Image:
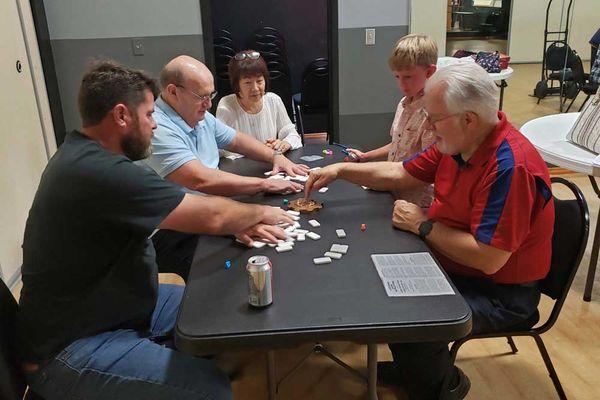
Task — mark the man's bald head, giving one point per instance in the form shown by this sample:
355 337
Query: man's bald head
182 69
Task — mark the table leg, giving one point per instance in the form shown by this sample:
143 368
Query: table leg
271 375
589 282
503 84
372 367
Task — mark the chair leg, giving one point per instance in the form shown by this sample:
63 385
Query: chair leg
550 367
570 104
453 352
512 345
583 104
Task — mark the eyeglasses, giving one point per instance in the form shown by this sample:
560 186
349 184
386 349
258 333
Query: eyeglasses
431 121
200 97
252 55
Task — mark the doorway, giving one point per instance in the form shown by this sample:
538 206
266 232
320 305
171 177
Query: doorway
477 25
295 39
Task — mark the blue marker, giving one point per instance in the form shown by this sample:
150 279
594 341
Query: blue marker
227 264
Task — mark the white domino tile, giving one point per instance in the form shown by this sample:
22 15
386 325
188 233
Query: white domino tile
258 245
322 260
314 223
294 213
333 255
313 236
339 248
340 233
301 237
282 249
323 189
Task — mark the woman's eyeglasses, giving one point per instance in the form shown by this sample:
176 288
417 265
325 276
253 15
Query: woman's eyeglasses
251 55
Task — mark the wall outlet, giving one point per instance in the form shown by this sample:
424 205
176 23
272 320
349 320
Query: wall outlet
370 36
137 46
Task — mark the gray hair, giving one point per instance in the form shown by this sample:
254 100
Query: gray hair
468 87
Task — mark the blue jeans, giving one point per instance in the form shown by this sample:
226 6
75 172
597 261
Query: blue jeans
423 366
128 365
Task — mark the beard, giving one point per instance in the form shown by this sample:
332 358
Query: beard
136 146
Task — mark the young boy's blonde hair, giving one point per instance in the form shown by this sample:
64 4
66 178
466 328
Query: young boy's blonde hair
412 51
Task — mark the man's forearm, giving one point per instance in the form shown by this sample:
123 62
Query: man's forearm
462 247
213 215
221 183
251 148
376 175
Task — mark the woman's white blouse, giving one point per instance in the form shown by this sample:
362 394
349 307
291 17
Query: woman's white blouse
270 123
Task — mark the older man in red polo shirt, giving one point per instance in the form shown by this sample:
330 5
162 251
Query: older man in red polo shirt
490 224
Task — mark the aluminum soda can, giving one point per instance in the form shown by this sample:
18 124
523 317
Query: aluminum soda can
260 281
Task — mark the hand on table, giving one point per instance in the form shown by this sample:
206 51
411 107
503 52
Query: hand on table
320 178
280 186
262 232
282 164
277 144
407 216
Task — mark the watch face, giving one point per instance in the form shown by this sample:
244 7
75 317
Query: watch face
425 228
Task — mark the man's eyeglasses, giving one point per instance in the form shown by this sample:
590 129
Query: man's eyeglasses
251 55
432 121
200 97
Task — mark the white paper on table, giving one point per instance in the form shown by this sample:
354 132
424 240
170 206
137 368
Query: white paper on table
411 274
234 156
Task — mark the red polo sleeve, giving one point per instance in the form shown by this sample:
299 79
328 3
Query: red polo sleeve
424 164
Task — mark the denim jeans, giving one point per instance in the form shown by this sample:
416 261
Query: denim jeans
423 366
128 365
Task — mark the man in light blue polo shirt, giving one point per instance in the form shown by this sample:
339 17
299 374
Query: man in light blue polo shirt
185 149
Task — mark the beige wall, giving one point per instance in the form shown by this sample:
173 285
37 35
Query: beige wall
527 27
429 17
24 149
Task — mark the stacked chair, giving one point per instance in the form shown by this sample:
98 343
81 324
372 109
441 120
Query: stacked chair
224 50
311 105
271 45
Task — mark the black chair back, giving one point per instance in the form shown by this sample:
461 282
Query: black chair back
223 41
315 89
12 382
571 227
224 50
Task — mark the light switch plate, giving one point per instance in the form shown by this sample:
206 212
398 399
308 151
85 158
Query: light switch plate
137 46
370 36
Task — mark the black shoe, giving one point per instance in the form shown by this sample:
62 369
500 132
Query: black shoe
461 389
388 373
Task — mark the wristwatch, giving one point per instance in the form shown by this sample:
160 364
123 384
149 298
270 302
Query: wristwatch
424 228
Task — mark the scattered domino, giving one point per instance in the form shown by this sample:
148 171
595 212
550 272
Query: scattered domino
292 234
339 248
268 173
294 213
301 231
366 188
290 229
271 244
314 168
313 236
314 223
322 260
258 245
340 233
301 237
323 189
296 225
299 178
295 218
282 249
332 254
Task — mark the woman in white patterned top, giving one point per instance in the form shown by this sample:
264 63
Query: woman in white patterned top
253 110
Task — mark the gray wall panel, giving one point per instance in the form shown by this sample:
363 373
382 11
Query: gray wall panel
361 13
73 56
367 131
77 19
366 84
